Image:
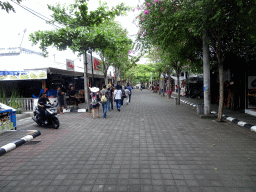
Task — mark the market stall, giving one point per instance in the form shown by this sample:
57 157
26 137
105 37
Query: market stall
7 118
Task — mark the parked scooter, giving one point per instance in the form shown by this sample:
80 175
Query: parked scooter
51 118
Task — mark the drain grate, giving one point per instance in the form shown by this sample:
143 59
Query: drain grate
32 142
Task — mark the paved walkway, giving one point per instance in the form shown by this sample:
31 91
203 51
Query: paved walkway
214 107
151 145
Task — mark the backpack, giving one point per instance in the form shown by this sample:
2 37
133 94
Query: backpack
104 99
123 94
130 91
94 100
109 93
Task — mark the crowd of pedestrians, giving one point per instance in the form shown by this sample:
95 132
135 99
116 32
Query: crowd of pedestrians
106 98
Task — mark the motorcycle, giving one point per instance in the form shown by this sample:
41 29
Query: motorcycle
50 116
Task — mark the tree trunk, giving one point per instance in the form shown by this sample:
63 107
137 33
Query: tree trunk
86 91
221 95
115 76
106 78
178 77
159 91
206 66
169 85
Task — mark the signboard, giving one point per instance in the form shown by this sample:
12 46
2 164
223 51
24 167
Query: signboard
23 75
70 65
96 63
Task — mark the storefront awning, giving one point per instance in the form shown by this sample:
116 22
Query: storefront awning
52 70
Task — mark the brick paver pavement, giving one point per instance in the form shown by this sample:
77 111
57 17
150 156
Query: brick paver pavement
151 145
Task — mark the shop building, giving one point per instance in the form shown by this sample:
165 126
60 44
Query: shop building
22 71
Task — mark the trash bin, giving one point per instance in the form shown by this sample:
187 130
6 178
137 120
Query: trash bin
13 118
200 109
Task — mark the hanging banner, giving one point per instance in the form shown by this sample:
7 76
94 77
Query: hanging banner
23 75
96 63
70 65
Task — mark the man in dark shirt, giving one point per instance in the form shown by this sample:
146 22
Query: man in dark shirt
130 94
72 95
60 96
41 102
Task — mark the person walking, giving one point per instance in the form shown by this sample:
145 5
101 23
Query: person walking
123 96
110 97
95 101
104 99
127 92
130 94
118 97
60 98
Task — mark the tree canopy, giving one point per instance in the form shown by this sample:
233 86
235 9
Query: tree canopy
83 29
5 5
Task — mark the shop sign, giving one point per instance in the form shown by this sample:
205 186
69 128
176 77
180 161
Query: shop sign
96 63
70 65
23 75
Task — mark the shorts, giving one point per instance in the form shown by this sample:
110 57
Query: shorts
61 103
95 106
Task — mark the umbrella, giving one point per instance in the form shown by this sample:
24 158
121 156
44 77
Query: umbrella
94 89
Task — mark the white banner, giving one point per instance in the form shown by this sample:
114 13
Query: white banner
23 75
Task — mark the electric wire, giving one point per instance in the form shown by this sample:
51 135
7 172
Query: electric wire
36 15
47 19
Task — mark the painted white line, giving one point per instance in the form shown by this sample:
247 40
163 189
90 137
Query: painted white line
27 138
81 110
230 118
9 147
253 128
241 123
25 119
32 130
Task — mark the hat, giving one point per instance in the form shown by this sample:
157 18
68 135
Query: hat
108 86
94 89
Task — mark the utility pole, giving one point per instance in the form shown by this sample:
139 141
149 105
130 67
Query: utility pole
86 93
22 38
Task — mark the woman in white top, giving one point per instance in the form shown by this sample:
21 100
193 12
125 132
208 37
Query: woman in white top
118 97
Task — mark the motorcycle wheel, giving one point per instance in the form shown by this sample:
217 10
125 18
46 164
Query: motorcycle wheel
56 123
37 121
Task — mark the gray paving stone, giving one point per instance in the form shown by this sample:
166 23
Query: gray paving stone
151 145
